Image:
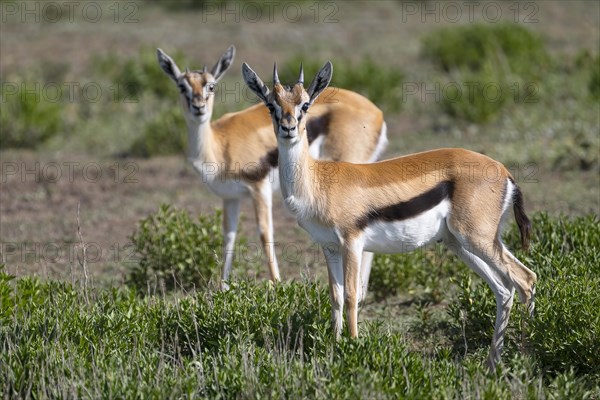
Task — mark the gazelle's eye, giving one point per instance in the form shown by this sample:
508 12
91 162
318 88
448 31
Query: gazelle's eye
305 107
211 87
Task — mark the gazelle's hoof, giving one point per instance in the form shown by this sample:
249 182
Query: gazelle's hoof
224 286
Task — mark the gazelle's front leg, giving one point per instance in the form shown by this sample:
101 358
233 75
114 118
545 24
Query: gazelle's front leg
333 257
352 253
262 198
231 213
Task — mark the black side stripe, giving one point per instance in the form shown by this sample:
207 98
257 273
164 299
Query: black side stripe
410 208
317 126
258 172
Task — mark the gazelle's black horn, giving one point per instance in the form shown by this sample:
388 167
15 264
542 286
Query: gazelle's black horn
301 76
275 75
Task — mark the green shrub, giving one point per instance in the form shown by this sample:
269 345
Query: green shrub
264 314
27 120
490 65
134 76
6 292
388 275
382 85
472 313
580 150
587 63
512 46
423 270
232 344
164 134
563 334
176 251
594 85
477 96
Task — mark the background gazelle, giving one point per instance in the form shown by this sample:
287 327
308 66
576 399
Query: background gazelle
396 206
237 154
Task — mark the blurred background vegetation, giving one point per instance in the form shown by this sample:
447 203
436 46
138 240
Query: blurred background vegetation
523 88
496 83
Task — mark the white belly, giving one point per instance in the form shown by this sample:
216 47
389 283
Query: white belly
228 189
231 188
273 178
407 235
320 233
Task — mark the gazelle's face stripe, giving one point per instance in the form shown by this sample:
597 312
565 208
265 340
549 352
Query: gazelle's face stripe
410 208
287 110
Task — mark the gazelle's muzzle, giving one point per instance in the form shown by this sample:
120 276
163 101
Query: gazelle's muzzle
197 108
288 132
288 127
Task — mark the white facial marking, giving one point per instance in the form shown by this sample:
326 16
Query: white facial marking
185 87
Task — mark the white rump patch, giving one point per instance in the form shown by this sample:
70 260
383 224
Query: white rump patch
381 143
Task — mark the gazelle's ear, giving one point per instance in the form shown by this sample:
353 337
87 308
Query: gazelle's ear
168 65
224 63
255 83
320 82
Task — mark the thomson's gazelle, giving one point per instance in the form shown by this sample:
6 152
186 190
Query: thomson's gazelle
237 154
450 195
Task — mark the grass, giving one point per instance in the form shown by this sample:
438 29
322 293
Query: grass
61 339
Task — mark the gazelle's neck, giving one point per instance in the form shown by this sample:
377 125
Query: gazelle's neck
297 176
199 139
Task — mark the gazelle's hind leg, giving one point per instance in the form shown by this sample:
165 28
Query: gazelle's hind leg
502 288
522 277
510 269
365 271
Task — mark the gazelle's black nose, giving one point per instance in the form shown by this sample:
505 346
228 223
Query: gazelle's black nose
198 109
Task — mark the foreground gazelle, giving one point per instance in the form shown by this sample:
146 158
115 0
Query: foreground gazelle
394 206
237 154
